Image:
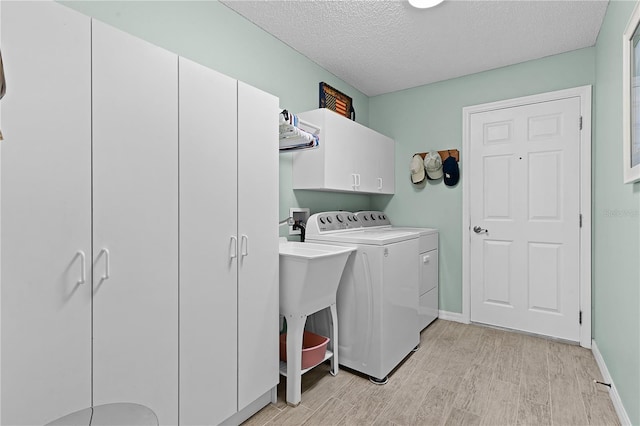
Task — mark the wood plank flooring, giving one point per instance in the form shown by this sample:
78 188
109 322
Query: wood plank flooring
461 375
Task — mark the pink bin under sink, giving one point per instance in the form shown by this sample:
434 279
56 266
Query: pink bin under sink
314 348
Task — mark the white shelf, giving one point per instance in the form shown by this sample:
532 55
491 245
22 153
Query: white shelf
283 364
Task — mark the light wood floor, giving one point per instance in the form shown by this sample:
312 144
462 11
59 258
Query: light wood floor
461 375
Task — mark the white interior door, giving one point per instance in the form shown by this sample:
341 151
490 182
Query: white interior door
525 214
46 212
135 213
208 245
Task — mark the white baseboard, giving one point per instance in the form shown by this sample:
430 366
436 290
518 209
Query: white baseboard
613 392
452 316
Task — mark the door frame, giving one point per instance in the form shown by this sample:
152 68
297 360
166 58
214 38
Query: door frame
584 93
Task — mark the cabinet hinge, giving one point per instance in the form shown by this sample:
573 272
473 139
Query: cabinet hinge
580 318
580 220
580 122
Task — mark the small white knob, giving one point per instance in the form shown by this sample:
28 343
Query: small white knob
425 259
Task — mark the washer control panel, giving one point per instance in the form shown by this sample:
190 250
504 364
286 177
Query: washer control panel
372 218
332 221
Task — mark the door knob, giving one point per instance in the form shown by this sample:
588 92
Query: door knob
479 230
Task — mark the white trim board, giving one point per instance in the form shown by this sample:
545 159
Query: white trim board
584 93
613 391
451 316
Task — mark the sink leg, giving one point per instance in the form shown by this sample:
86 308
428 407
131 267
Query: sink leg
334 339
295 329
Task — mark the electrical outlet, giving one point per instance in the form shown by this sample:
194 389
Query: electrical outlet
298 214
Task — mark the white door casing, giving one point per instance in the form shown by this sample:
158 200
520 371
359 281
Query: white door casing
528 182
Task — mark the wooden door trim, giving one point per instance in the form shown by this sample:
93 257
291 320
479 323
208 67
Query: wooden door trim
584 93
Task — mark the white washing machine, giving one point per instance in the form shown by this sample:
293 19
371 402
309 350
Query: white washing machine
376 300
427 259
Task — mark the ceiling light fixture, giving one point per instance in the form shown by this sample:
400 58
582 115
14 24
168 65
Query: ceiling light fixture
424 4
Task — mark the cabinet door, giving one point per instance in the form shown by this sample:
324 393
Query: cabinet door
376 162
258 234
366 156
46 212
386 177
208 245
135 208
342 148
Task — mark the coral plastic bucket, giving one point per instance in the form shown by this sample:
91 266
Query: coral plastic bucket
314 348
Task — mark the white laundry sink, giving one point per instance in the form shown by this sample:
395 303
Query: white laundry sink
309 275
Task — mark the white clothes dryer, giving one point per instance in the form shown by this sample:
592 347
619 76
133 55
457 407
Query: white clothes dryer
428 307
376 300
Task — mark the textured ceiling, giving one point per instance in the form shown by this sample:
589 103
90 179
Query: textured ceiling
381 46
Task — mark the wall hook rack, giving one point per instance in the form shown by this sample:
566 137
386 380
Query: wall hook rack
444 154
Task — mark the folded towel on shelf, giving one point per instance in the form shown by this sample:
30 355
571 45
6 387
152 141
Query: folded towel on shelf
298 139
292 137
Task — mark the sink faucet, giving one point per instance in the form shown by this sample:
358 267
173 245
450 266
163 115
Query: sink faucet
302 227
288 221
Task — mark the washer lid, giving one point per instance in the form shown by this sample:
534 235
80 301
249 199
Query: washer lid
370 237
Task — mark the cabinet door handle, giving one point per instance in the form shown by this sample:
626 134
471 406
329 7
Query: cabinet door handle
83 268
355 181
379 184
426 259
244 244
233 247
107 266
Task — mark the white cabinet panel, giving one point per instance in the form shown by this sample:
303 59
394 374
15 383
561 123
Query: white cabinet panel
258 286
228 245
340 163
135 207
386 179
46 212
350 157
428 293
208 245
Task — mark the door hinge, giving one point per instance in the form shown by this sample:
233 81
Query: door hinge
580 122
580 318
580 220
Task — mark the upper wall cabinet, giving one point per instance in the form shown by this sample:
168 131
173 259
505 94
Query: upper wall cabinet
350 158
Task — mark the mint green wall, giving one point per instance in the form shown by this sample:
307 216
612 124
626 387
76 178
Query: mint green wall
430 117
212 34
616 217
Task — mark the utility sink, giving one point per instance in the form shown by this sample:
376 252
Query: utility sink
309 275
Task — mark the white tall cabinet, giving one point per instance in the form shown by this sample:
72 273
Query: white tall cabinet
138 220
135 219
228 245
45 217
